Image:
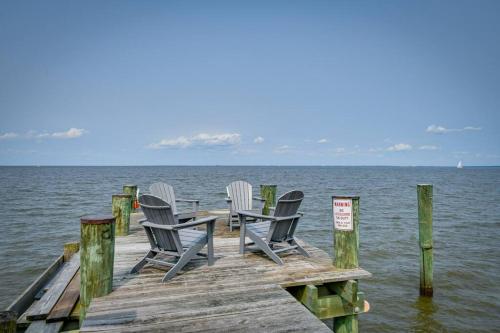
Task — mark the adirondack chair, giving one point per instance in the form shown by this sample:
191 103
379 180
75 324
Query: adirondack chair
274 230
239 197
168 237
166 193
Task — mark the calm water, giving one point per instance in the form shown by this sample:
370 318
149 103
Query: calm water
41 207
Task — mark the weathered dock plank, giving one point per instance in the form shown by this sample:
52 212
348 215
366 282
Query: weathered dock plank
41 326
67 301
24 301
239 293
43 307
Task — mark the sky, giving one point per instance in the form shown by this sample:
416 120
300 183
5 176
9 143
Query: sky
249 83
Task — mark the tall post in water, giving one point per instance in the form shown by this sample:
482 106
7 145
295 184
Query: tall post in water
346 249
97 251
132 190
121 211
268 193
424 194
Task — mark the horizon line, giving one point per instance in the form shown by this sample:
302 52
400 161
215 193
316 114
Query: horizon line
243 165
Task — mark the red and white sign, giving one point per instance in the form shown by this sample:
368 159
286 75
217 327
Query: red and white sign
342 214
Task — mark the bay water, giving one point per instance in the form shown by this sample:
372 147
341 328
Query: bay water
41 207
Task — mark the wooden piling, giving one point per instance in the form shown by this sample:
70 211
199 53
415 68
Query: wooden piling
8 322
346 249
346 233
121 211
424 194
70 249
132 190
96 259
268 193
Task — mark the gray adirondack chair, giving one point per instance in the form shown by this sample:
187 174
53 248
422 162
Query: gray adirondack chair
239 197
274 230
168 237
166 193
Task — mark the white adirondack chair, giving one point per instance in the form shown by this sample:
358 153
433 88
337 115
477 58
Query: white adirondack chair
166 193
239 197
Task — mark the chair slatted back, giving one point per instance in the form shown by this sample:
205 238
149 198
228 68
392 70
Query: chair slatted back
158 211
240 193
165 192
288 205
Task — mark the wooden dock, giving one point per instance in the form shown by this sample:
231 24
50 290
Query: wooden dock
239 293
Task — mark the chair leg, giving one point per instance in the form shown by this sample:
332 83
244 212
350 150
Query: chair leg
265 247
242 236
210 243
183 260
143 262
299 248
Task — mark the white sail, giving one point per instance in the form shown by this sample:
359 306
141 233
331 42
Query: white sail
460 165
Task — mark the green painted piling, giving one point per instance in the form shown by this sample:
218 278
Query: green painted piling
424 195
121 211
346 242
347 324
132 190
8 322
96 258
346 248
70 249
268 193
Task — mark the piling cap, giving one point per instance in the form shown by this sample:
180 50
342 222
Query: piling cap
345 196
122 195
6 316
97 219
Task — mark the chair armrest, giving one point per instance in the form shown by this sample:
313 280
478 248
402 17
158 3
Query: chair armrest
208 219
229 200
158 226
285 218
255 215
186 200
259 199
141 221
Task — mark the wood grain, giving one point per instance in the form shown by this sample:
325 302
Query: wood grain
43 307
41 326
66 303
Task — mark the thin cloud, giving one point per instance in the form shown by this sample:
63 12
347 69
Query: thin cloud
72 133
8 136
283 149
258 140
400 147
322 141
69 134
437 129
428 147
199 140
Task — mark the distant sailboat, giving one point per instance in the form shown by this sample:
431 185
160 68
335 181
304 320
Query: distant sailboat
460 165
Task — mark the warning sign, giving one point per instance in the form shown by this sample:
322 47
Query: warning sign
342 214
